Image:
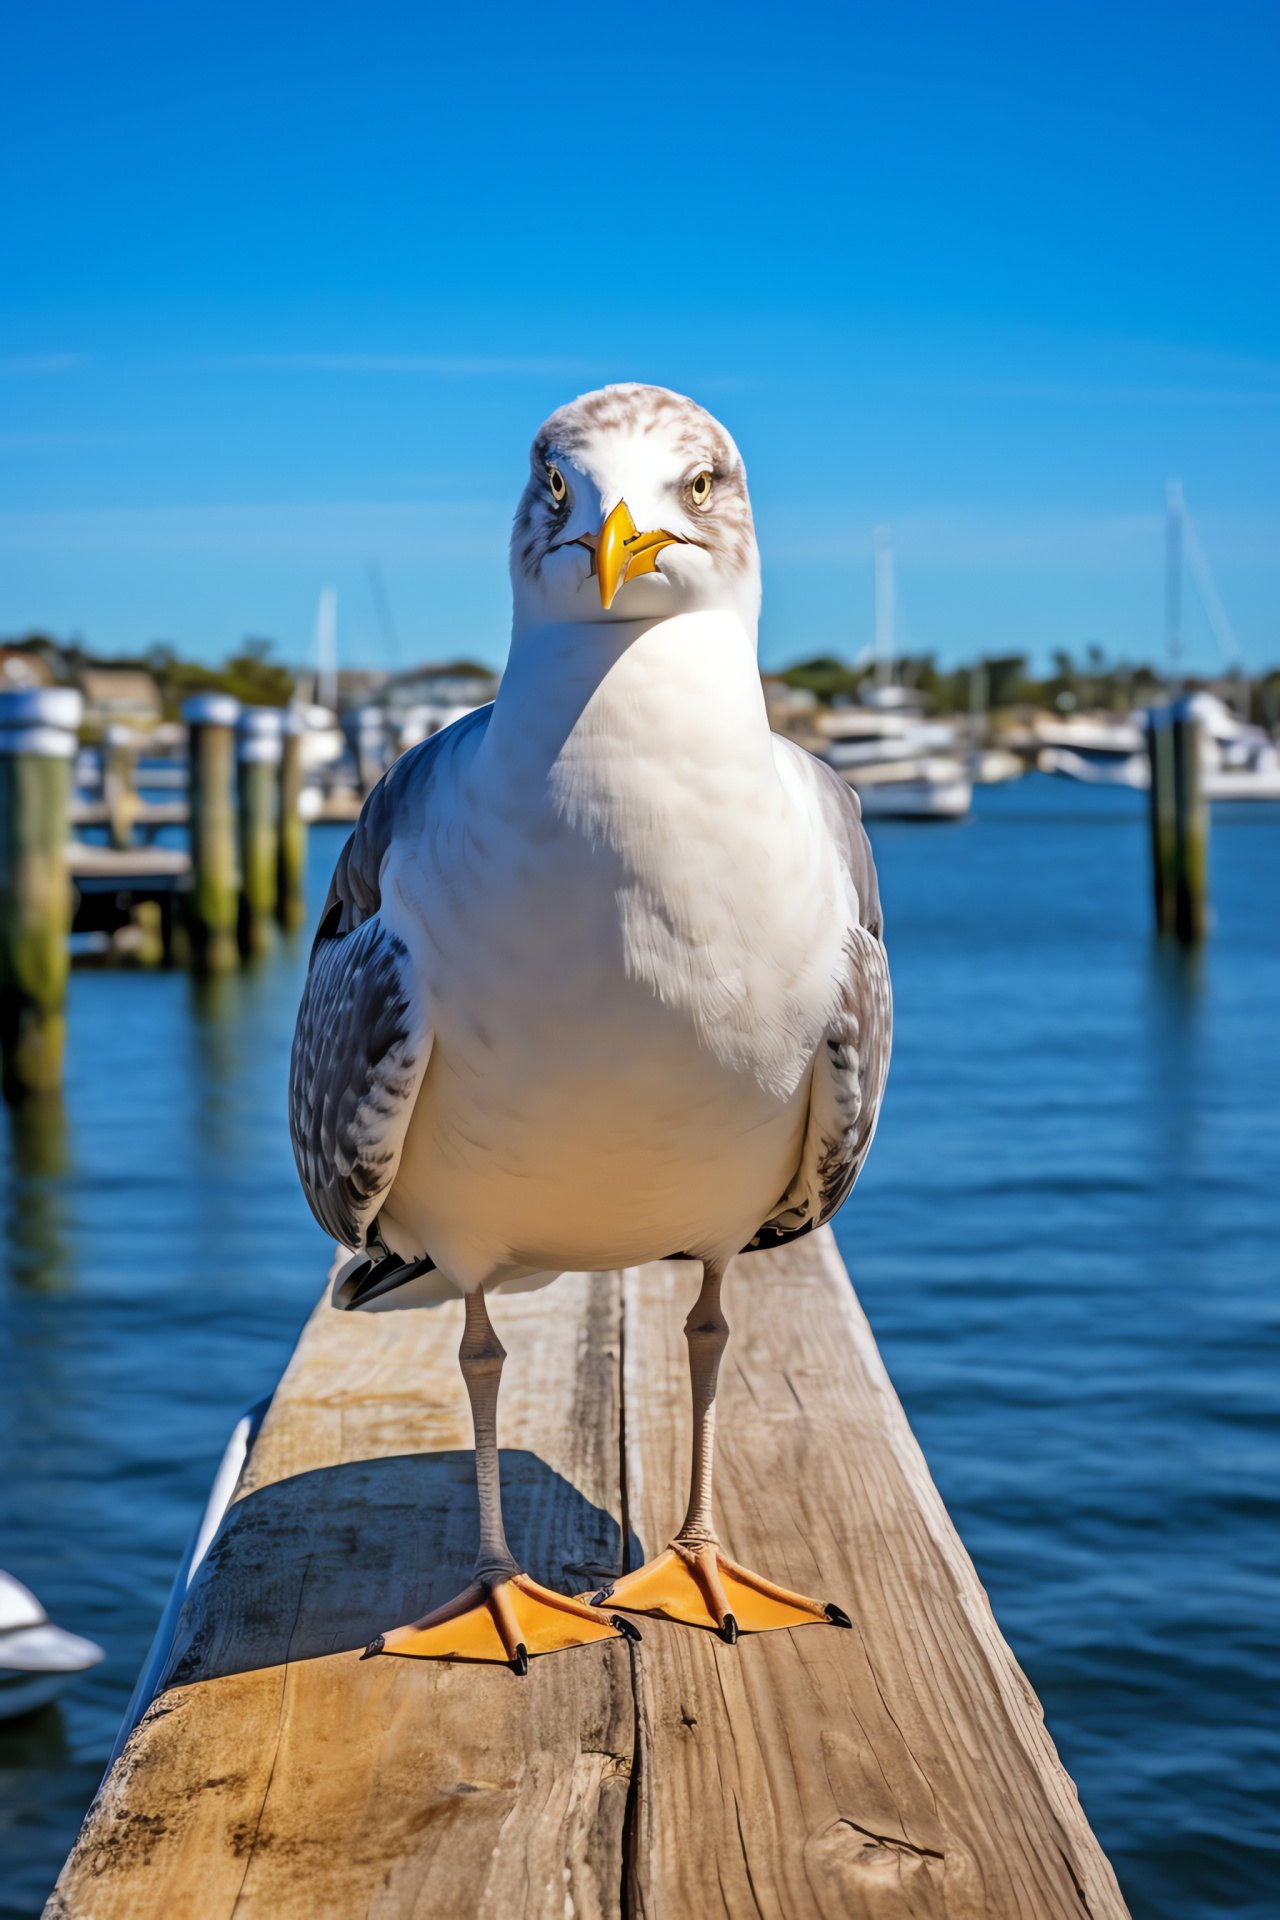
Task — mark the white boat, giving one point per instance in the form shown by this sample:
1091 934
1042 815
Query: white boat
903 765
37 1660
1100 750
1238 761
940 790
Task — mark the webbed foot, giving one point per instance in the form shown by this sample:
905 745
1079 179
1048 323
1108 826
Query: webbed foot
507 1622
700 1587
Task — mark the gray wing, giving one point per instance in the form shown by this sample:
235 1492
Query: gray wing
363 1036
853 1060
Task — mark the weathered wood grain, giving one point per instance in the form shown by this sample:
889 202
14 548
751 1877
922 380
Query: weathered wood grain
274 1779
899 1770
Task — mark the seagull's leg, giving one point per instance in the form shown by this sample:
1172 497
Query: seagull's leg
503 1615
693 1581
707 1332
480 1357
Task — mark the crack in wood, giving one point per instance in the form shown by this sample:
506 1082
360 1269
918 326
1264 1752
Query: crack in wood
891 1840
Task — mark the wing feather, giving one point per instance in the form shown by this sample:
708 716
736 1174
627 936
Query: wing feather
363 1037
852 1062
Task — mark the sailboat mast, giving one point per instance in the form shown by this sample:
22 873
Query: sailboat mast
327 650
1173 572
884 607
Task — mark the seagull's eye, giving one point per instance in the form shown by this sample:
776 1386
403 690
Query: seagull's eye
700 489
557 484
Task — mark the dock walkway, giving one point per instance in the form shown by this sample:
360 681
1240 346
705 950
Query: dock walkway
899 1770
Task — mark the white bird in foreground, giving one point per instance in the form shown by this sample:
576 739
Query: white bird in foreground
600 978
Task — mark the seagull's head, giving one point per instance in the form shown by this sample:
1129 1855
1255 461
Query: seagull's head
636 508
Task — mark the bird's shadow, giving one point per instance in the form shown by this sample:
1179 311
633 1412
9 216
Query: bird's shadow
322 1562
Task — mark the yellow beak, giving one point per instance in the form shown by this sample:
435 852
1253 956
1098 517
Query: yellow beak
618 552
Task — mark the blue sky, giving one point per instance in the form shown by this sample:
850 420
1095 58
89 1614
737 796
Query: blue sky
287 290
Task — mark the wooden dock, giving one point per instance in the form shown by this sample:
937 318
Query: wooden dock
899 1770
92 866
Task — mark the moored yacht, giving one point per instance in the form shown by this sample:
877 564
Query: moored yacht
1103 750
902 764
1238 761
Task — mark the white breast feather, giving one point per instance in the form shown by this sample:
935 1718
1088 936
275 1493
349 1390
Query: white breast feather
733 904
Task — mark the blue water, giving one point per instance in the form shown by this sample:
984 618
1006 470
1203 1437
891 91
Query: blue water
1067 1239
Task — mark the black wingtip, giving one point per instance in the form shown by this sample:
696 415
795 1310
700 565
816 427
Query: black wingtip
371 1281
376 1645
627 1628
520 1664
837 1615
605 1594
729 1631
344 1296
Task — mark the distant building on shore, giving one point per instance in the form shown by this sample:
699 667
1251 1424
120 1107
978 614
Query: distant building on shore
126 696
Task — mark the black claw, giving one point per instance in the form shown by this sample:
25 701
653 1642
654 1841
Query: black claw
605 1593
837 1615
729 1631
375 1646
520 1664
627 1628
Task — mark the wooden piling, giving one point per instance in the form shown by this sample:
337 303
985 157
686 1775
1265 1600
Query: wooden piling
291 891
213 903
1163 817
258 753
1191 907
119 784
37 747
1179 817
902 1768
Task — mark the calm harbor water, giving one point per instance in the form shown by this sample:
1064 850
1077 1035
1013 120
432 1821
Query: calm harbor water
1067 1240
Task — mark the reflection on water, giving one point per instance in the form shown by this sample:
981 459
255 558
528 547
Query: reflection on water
1065 1238
1066 1242
37 1247
43 1789
158 1263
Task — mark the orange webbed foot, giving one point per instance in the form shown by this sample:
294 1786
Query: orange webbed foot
505 1622
700 1587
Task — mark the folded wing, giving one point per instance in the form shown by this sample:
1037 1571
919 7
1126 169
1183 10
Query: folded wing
363 1037
853 1060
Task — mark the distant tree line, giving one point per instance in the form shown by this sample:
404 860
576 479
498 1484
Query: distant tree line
1005 680
250 673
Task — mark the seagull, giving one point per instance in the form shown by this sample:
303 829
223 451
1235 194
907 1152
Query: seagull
600 980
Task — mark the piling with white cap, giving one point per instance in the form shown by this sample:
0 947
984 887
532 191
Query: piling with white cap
258 755
38 744
291 898
214 901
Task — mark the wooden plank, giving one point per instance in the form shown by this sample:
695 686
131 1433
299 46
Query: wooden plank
276 1778
901 1769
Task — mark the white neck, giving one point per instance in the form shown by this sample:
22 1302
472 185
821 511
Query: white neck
652 742
657 682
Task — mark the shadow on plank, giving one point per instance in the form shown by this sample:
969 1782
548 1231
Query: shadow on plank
322 1562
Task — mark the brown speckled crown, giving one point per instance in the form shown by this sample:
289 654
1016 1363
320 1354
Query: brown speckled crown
726 530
